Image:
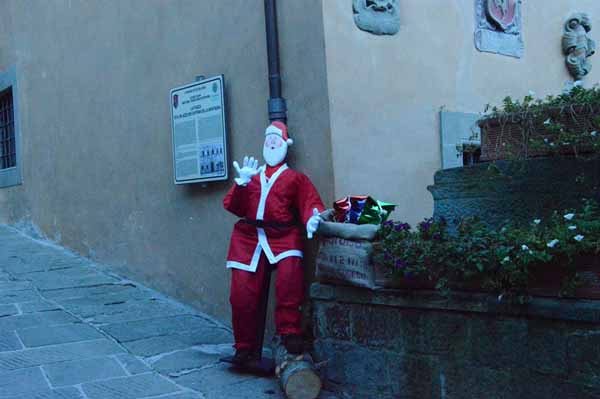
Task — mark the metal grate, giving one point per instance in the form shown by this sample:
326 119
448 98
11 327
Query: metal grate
7 131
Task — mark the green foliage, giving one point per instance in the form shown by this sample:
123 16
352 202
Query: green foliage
476 257
546 125
578 96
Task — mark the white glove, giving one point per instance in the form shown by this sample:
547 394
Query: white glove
248 169
313 223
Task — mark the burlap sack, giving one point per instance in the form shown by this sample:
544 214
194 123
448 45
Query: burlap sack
345 262
348 231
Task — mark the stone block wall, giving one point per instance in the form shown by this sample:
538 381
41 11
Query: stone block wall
402 344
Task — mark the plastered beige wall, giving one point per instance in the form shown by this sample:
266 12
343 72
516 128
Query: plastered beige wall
385 93
94 82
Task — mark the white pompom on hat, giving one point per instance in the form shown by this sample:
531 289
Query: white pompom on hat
280 129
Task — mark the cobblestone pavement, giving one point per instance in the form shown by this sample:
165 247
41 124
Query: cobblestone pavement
70 329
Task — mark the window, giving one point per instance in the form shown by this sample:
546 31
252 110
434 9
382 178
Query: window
8 156
460 141
10 162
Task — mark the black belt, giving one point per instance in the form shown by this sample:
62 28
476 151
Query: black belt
263 224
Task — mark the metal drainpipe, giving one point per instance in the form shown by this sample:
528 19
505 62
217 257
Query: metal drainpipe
277 106
277 112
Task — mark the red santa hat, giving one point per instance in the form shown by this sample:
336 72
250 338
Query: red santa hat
280 129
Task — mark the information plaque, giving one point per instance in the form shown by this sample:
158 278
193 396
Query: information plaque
199 132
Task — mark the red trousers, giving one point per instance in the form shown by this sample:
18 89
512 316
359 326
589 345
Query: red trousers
246 289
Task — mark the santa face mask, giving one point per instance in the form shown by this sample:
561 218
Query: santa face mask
275 150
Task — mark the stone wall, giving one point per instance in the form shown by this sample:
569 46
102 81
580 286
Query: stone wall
400 344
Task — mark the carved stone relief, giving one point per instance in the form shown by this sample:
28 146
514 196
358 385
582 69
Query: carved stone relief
577 45
380 17
498 27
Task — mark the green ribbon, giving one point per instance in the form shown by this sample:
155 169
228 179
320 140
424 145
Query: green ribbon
375 212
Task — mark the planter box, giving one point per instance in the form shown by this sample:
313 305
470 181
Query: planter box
510 135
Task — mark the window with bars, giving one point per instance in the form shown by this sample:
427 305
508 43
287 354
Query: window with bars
8 156
10 131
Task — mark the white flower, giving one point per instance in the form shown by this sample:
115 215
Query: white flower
572 227
552 243
551 144
524 247
569 216
594 133
500 298
546 140
506 259
537 221
548 121
578 237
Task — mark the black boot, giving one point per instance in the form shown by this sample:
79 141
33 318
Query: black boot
294 344
243 357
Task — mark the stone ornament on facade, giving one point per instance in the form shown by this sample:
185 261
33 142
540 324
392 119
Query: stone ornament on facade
498 27
577 45
380 17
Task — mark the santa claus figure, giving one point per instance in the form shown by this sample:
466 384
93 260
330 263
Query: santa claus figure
276 205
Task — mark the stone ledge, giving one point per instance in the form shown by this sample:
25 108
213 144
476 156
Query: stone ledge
586 311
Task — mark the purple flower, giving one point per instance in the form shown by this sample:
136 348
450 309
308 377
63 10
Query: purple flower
402 227
425 225
400 263
386 255
389 223
437 236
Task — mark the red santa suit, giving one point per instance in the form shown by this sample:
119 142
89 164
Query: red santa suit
275 207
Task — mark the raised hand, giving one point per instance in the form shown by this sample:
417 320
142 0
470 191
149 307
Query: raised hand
313 223
249 168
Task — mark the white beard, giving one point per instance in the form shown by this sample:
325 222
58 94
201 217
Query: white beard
274 157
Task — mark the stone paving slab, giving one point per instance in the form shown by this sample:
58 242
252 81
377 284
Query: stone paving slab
22 381
36 319
62 294
9 341
8 310
125 311
139 329
42 336
57 353
138 386
168 343
67 278
41 262
187 359
132 364
212 378
185 395
19 296
79 371
60 393
37 306
13 285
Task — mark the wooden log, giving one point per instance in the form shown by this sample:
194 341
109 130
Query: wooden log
297 374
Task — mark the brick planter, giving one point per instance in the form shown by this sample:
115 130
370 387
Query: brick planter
509 136
416 344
